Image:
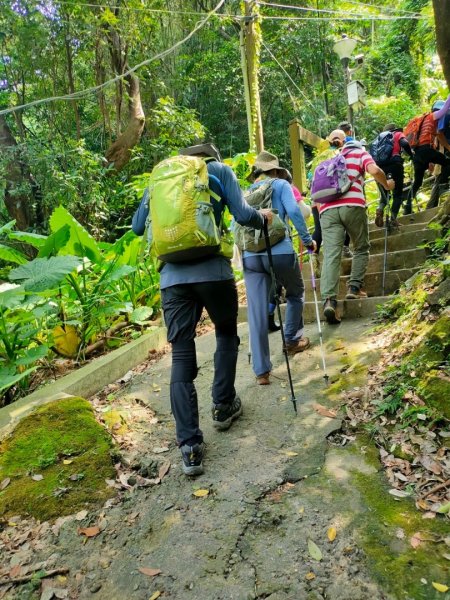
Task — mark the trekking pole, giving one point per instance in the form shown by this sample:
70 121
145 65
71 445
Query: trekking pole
319 326
277 304
386 231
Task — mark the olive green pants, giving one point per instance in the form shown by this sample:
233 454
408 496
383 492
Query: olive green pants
335 222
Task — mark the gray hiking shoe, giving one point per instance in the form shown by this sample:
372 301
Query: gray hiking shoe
193 459
224 414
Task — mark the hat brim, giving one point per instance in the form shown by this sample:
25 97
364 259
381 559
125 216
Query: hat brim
267 166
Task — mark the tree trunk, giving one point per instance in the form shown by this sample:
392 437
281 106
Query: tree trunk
119 153
442 20
17 204
70 77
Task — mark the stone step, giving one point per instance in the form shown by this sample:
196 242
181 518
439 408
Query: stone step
373 283
402 259
379 232
348 309
407 241
423 216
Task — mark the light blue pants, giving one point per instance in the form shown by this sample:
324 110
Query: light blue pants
258 285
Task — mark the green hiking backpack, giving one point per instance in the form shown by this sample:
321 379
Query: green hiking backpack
181 224
248 238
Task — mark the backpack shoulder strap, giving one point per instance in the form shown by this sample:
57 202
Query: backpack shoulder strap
217 181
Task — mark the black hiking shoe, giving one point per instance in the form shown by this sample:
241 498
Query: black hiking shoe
272 325
330 311
192 459
224 414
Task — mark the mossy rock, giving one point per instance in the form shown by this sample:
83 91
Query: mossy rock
434 389
58 441
434 346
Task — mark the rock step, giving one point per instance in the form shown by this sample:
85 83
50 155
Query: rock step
379 232
373 283
348 309
402 259
421 217
407 241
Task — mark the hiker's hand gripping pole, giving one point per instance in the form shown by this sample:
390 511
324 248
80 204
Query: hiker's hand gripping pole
277 303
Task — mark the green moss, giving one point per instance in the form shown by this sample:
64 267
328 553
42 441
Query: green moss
434 388
396 564
58 440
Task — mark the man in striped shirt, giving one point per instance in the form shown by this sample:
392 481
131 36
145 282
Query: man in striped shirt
347 213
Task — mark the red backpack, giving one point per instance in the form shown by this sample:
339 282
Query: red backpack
413 128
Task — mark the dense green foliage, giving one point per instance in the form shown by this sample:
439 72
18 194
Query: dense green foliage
76 263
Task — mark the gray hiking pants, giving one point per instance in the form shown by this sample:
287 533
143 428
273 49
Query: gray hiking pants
335 222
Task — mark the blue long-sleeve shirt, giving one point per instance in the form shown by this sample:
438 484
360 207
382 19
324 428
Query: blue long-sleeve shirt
214 268
284 202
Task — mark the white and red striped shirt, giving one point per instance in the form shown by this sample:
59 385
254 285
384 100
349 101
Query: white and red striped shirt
357 161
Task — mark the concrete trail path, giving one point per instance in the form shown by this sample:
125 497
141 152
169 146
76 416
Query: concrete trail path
272 487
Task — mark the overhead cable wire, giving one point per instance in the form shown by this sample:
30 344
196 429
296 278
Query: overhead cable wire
301 8
88 91
289 77
386 8
331 10
148 10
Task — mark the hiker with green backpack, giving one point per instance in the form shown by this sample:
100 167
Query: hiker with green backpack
272 190
186 199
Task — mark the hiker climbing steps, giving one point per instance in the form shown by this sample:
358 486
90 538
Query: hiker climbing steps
404 258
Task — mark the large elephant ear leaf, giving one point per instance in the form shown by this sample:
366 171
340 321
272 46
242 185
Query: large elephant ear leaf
44 273
12 255
55 242
80 242
34 239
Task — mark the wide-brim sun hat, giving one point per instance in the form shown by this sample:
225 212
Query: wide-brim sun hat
336 134
266 161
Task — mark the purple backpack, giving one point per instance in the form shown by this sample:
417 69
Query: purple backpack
330 180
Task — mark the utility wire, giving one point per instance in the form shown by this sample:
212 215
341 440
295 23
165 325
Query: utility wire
386 8
290 78
338 11
88 91
149 10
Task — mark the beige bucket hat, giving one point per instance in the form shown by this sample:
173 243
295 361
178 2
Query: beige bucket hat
267 161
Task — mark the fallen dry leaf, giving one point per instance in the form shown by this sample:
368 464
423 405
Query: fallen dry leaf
149 571
37 477
331 534
4 484
324 412
310 576
161 450
201 493
440 587
81 515
164 469
314 550
416 540
155 595
398 493
89 531
67 461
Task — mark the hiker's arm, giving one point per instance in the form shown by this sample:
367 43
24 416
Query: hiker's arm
380 177
443 140
294 213
140 216
437 114
241 211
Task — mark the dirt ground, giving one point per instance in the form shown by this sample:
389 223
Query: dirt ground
277 513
